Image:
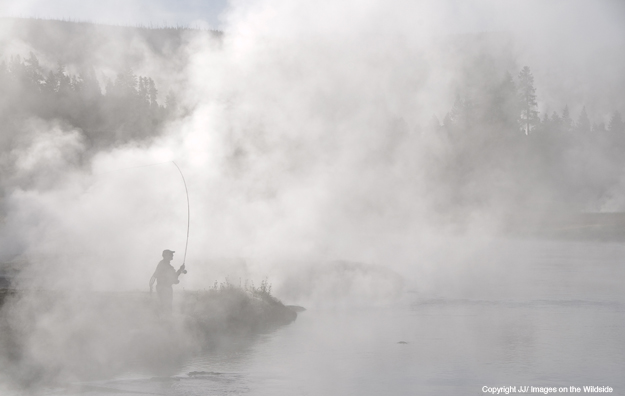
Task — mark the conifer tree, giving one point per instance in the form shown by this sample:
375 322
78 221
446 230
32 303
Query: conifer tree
545 122
567 122
4 76
51 82
598 127
527 97
152 93
448 122
461 114
16 65
64 81
125 84
505 104
454 114
90 86
32 72
616 123
143 90
171 102
556 120
434 124
583 122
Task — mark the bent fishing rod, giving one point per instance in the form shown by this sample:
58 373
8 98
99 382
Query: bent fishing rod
186 244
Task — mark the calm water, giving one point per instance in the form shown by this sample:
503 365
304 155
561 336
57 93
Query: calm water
554 318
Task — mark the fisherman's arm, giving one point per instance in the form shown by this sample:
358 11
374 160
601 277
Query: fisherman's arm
153 278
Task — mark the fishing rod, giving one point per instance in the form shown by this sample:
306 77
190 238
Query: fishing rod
184 271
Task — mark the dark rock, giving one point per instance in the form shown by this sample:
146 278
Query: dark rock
196 373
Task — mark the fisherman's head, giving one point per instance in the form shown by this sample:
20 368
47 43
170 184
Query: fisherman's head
168 254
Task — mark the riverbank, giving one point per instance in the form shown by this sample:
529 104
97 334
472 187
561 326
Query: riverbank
599 227
54 338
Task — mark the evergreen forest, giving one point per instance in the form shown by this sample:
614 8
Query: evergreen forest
121 110
496 146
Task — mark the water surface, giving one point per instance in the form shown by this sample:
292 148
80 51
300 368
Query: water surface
552 314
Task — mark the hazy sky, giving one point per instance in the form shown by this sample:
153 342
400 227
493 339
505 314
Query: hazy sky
442 15
199 13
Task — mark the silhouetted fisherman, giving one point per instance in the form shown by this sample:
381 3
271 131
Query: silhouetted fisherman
166 276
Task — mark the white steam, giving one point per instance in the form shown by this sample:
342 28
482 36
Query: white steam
307 139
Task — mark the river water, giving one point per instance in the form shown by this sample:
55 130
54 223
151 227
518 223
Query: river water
552 316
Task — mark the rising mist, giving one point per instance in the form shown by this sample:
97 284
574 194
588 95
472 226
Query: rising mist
368 146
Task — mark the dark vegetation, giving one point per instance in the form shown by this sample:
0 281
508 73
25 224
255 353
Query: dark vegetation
85 80
127 109
501 154
80 78
505 155
227 310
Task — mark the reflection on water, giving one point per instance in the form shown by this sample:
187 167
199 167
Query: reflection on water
558 322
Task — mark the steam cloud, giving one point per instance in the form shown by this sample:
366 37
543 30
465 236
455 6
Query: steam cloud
305 137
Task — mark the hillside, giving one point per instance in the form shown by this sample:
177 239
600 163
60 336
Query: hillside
84 44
